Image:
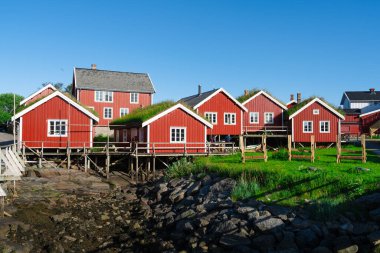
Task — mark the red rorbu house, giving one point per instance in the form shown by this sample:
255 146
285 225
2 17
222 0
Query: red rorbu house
112 94
43 92
315 117
265 113
351 126
370 119
221 109
165 127
55 121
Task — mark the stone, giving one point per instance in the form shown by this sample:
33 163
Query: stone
321 249
224 227
232 240
375 214
268 223
370 201
364 228
193 188
374 238
347 227
245 209
60 217
264 242
307 238
300 223
70 238
343 244
177 196
185 215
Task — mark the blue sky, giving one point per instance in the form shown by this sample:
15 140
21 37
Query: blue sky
313 47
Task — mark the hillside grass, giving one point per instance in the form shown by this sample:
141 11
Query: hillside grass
324 189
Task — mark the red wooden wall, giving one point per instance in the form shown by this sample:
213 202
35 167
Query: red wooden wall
40 95
351 124
307 115
262 104
369 120
120 100
221 104
35 125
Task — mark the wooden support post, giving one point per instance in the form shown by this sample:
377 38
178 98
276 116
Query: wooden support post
154 167
148 172
312 146
23 152
290 147
107 161
137 168
364 152
68 158
242 148
85 160
264 145
338 148
14 188
2 206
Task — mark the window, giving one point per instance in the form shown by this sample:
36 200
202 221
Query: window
134 98
269 116
308 126
177 135
230 118
103 96
254 117
107 113
57 128
211 117
316 111
324 126
123 111
125 135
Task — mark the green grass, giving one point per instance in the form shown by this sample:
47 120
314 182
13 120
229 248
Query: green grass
323 191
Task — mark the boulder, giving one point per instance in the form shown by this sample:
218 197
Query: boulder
232 240
268 223
224 227
375 214
374 238
307 238
264 242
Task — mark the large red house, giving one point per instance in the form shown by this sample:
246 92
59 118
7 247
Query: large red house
170 128
112 94
315 117
265 113
55 121
220 108
43 92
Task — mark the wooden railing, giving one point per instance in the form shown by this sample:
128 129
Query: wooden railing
266 129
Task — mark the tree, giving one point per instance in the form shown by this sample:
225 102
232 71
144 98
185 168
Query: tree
6 106
68 88
58 85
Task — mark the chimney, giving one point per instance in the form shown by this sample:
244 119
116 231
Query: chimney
93 66
299 98
199 89
246 92
291 97
372 90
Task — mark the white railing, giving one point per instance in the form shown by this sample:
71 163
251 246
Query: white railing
265 129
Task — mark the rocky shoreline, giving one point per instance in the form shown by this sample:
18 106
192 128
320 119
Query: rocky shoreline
192 214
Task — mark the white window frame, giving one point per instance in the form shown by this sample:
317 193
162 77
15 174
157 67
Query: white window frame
131 98
104 113
102 95
315 111
320 126
175 136
229 113
265 117
91 107
257 116
127 109
303 126
55 134
212 114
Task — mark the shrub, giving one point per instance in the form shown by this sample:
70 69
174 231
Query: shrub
181 168
282 154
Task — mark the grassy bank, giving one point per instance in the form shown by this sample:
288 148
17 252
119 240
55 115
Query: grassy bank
323 186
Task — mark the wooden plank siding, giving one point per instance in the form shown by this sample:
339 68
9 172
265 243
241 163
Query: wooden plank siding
307 115
221 103
35 125
120 100
369 120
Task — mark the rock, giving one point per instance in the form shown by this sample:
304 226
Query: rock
207 180
300 223
370 201
193 188
224 227
60 217
347 227
364 228
307 238
184 225
264 242
321 249
245 209
374 238
343 244
268 223
287 241
70 238
375 214
232 240
104 217
177 196
185 215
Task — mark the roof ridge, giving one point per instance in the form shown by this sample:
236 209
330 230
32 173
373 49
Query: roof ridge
115 71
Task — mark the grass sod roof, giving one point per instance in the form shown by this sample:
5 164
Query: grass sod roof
297 107
253 92
68 95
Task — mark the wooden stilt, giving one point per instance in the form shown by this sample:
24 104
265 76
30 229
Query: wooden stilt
148 165
312 146
107 162
2 200
364 152
154 167
23 153
290 147
68 158
264 145
242 148
85 160
338 148
137 168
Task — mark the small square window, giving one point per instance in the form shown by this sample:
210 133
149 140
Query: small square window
316 111
107 113
134 98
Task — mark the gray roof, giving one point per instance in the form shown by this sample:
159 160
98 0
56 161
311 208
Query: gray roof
196 99
95 79
362 96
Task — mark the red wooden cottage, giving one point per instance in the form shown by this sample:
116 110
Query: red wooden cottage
370 120
352 124
265 113
165 128
221 109
43 92
315 117
55 121
112 94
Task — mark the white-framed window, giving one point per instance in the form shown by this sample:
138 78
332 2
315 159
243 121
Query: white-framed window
268 117
315 111
212 117
107 112
254 117
124 111
230 118
103 96
324 126
134 98
177 135
57 128
308 126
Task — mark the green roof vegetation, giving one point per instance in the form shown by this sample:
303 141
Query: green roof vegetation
253 92
140 115
297 107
